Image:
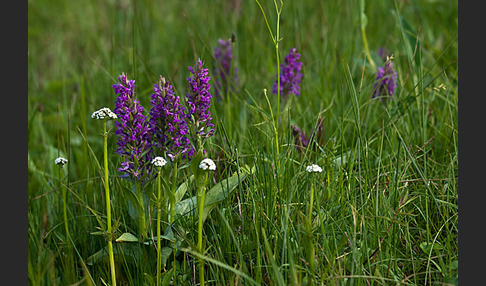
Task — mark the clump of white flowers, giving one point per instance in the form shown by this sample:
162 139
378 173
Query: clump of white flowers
60 161
313 169
159 161
103 113
207 164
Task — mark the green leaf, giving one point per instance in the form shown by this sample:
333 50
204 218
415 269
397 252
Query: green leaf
133 204
427 247
127 237
167 277
168 235
165 253
149 279
195 163
129 250
181 191
454 265
213 197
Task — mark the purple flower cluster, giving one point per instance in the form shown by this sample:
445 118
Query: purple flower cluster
199 101
223 56
168 122
290 75
386 81
300 138
167 131
134 140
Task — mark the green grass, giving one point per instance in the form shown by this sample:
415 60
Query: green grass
385 207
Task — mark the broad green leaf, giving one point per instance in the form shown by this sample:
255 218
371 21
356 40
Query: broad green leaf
127 237
213 197
149 279
133 203
128 250
167 277
195 163
181 191
134 206
165 253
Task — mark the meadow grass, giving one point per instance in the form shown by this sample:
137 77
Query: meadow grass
384 207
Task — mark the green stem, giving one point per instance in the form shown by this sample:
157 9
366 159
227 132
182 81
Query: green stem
66 226
309 230
141 210
64 202
278 87
159 214
108 206
200 206
363 22
172 212
172 196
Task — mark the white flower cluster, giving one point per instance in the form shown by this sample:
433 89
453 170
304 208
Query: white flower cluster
159 162
207 164
103 113
313 169
60 161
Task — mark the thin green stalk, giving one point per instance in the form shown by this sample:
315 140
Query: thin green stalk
172 212
108 206
275 40
141 211
64 207
277 36
363 23
200 206
66 226
172 196
309 231
159 215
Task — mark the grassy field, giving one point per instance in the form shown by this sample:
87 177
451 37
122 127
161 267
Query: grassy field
384 207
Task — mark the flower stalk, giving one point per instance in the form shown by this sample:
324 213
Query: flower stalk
60 161
142 228
159 214
106 114
205 166
108 205
311 257
159 162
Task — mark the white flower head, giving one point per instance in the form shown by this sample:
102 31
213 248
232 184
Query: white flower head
60 161
103 113
159 162
313 169
207 164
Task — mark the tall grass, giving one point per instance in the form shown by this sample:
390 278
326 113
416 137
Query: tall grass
384 208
